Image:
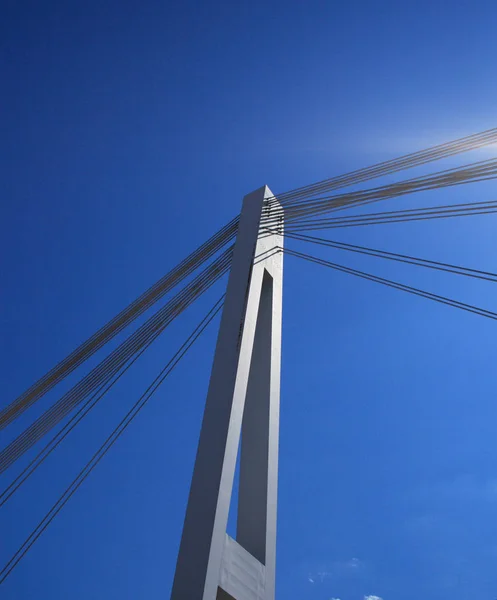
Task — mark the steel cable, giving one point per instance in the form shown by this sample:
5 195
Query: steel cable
467 174
396 285
119 322
108 443
105 370
400 216
420 157
403 258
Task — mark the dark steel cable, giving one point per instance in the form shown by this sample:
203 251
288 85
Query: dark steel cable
65 430
400 216
396 285
94 378
465 175
118 323
54 414
83 411
108 443
321 225
111 364
420 157
472 170
393 165
403 258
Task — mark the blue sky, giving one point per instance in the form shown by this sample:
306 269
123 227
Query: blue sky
130 133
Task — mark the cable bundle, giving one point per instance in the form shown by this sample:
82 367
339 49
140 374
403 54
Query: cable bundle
398 216
480 171
109 442
482 312
203 253
403 258
465 144
112 364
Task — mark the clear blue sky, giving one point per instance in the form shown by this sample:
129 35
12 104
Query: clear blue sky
130 133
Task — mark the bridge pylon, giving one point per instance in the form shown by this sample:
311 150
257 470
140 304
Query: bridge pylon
242 404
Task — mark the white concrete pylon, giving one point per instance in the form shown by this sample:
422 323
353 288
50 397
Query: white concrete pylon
243 399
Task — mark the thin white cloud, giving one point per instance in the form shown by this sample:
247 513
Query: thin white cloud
319 576
354 563
372 598
347 568
353 567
